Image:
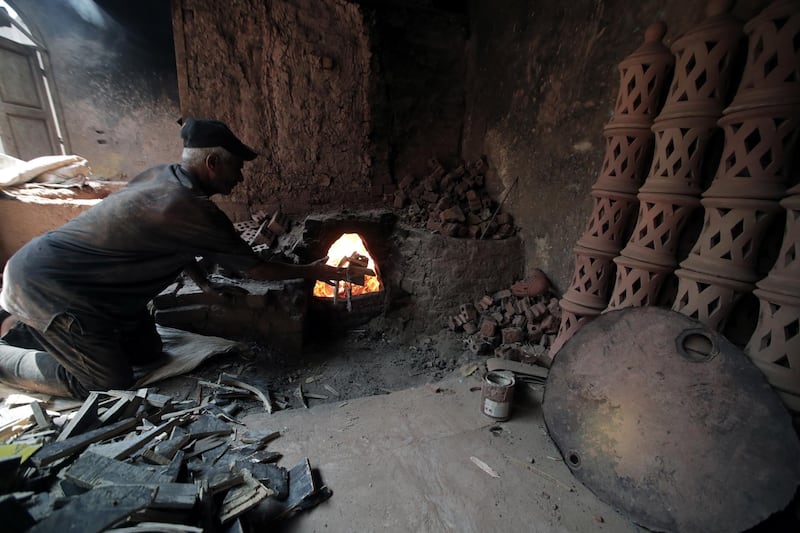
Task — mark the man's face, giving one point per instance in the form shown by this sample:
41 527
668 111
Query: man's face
227 174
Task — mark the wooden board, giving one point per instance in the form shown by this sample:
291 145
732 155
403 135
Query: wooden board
97 509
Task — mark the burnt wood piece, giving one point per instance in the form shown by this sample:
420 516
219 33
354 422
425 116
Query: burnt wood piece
242 498
49 453
301 487
207 426
177 440
97 509
173 470
274 477
91 470
43 420
265 456
152 457
207 444
85 418
116 411
126 447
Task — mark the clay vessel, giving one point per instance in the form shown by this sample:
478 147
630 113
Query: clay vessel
536 284
775 344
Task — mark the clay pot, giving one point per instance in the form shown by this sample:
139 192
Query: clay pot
703 59
591 281
772 71
784 277
573 317
627 155
656 236
759 146
610 221
707 297
643 78
730 241
637 284
680 146
775 344
534 285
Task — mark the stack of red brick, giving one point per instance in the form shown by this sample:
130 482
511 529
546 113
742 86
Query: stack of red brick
520 328
454 202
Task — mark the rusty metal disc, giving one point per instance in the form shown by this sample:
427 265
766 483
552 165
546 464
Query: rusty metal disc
671 424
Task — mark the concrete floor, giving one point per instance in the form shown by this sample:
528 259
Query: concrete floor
402 462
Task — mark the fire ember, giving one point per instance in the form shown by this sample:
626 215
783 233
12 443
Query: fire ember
350 250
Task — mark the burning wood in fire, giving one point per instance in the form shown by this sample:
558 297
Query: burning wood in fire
350 250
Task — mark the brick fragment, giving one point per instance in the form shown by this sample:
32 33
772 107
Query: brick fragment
452 214
488 327
511 335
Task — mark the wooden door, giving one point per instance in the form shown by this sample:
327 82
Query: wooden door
26 121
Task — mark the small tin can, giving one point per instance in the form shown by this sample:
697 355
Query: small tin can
497 392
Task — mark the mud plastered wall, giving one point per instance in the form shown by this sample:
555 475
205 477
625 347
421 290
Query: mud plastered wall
293 79
116 84
542 82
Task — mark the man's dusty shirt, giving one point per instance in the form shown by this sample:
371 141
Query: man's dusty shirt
112 259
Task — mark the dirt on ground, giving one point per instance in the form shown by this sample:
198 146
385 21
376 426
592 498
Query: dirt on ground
357 363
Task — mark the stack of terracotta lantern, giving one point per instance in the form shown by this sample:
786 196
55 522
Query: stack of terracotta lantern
628 144
761 131
704 59
774 73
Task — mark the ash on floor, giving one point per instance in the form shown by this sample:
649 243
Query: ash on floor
357 363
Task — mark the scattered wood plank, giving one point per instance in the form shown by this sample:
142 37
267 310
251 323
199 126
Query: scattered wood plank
124 448
242 498
97 510
91 470
207 426
53 451
43 420
84 419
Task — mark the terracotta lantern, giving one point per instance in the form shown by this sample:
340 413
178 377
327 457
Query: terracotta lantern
775 344
643 79
671 191
761 127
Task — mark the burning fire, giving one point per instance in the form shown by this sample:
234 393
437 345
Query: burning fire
339 255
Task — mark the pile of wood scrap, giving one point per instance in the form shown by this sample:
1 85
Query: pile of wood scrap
518 328
453 202
139 461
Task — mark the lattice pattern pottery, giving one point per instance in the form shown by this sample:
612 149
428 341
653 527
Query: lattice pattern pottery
643 75
637 283
628 151
610 221
707 298
775 343
573 318
732 233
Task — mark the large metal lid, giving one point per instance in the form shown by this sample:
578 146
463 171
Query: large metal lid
670 423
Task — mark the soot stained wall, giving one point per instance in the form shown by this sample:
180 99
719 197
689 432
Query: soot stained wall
294 79
340 97
116 82
542 83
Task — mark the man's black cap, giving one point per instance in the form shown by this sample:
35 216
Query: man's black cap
205 133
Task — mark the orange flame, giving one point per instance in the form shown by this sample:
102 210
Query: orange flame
343 248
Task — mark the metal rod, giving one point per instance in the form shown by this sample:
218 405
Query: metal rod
497 210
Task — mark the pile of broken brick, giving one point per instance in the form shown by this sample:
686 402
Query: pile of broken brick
137 461
453 203
518 324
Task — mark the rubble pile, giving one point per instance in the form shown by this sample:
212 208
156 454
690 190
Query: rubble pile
518 324
453 202
137 460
